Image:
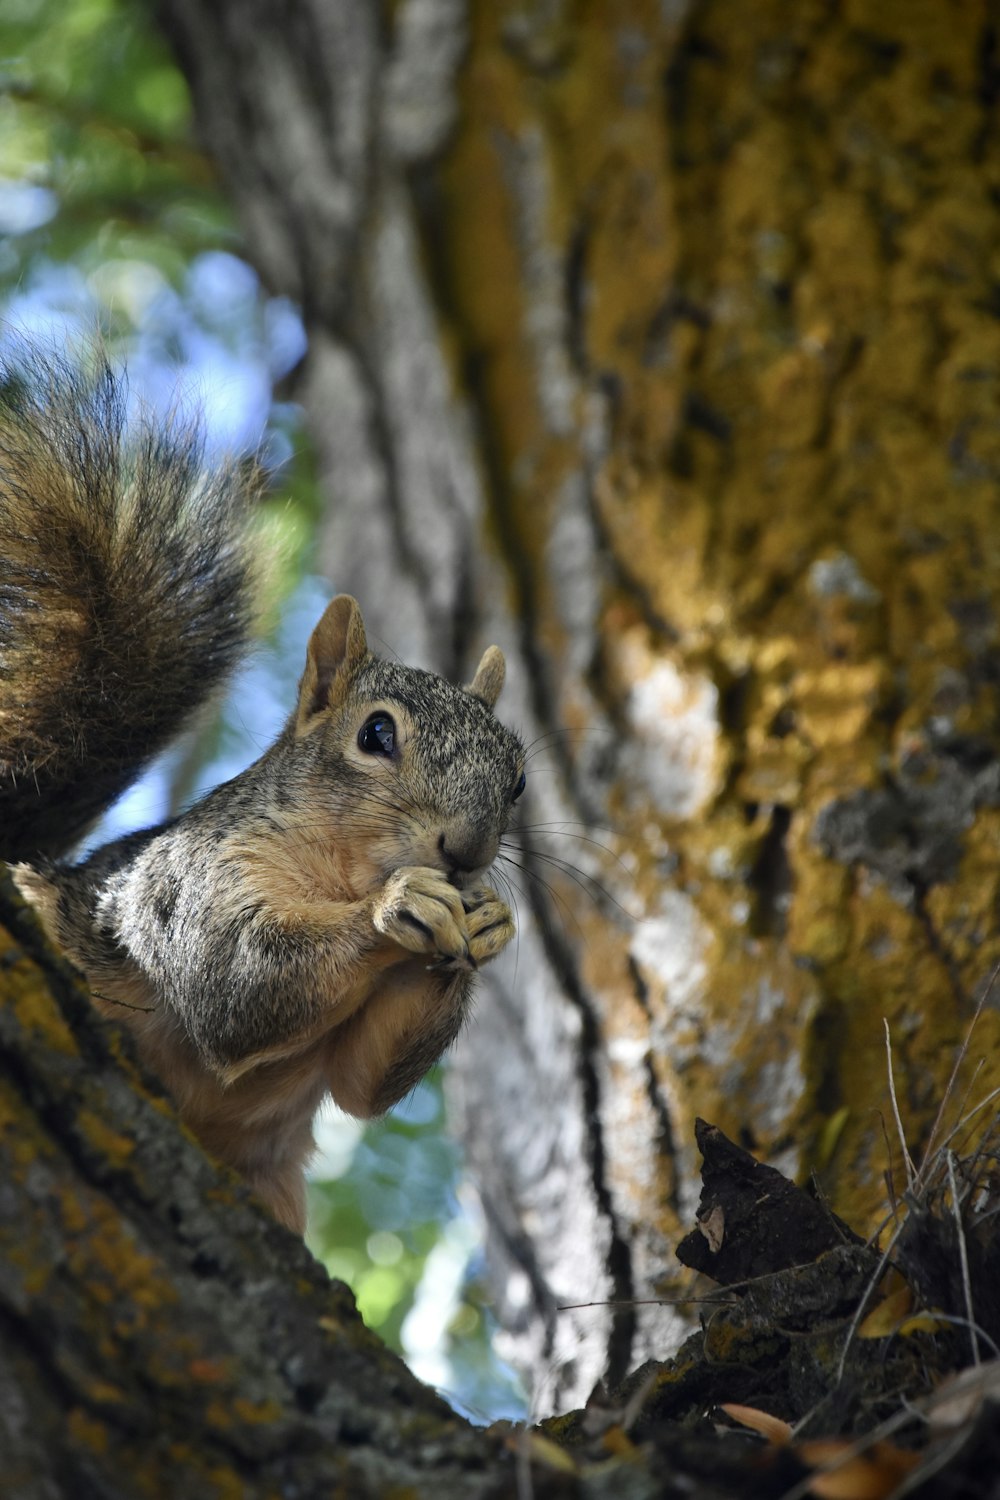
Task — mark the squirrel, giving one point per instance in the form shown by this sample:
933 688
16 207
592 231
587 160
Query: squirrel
312 926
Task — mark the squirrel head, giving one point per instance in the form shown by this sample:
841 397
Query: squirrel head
419 771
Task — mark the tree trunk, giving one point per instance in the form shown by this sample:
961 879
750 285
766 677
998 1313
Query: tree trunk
659 343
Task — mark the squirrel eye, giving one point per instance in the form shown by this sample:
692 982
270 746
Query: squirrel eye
522 782
377 735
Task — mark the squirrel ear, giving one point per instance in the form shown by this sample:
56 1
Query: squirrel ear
489 676
335 647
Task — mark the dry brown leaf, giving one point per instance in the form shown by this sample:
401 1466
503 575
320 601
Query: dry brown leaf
713 1227
925 1322
890 1316
849 1475
542 1450
958 1399
886 1316
617 1441
770 1427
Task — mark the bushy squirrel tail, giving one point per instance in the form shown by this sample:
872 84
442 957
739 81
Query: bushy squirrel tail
126 591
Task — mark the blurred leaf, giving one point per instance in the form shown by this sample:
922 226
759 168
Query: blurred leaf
885 1317
833 1129
393 1226
773 1428
543 1451
845 1474
96 111
890 1316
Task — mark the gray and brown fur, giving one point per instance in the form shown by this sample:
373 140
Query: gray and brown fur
310 927
125 594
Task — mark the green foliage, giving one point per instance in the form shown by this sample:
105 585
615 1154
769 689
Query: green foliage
393 1220
115 222
375 1225
95 112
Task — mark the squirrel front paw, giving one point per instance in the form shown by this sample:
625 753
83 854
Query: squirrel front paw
488 923
419 909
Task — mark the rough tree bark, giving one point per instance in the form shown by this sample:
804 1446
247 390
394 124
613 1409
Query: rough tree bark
659 343
160 1335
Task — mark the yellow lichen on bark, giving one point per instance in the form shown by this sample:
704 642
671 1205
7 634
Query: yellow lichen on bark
34 1010
757 254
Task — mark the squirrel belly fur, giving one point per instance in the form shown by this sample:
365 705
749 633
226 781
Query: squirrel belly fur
312 926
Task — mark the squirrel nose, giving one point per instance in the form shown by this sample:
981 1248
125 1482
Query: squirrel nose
466 851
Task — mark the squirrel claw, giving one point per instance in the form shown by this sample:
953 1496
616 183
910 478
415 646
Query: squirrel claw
490 927
422 912
457 964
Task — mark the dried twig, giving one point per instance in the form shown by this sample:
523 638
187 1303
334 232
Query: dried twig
963 1254
960 1058
907 1160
